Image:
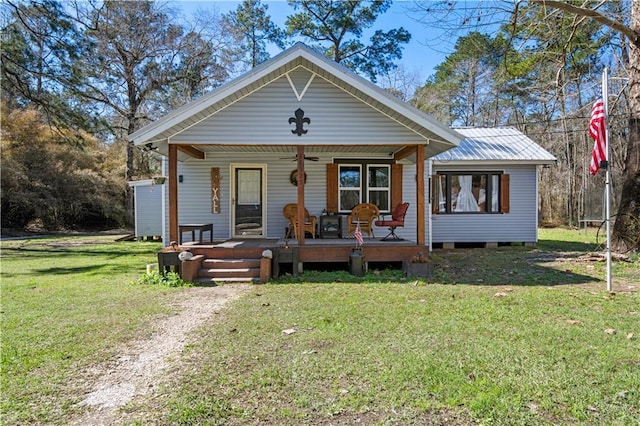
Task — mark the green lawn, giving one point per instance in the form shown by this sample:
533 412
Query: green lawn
512 335
68 303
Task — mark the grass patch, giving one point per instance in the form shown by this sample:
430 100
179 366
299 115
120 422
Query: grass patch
556 260
399 353
511 335
68 303
570 240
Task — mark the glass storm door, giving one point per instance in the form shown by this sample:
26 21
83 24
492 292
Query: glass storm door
248 202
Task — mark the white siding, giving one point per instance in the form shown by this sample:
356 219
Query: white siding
165 203
520 225
408 231
262 118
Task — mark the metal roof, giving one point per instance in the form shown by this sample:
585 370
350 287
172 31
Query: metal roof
498 144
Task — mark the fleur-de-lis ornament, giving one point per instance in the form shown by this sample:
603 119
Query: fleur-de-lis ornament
299 121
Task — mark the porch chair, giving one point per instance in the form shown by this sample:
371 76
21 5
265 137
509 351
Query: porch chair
363 214
397 219
290 212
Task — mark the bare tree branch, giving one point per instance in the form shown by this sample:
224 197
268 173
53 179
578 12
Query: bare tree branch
632 35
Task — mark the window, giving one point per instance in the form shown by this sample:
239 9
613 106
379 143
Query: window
350 186
355 187
473 192
378 185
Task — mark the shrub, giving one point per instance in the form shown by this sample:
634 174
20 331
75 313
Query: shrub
170 279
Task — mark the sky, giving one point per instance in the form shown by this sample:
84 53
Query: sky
427 48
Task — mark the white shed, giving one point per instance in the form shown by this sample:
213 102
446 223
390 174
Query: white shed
148 208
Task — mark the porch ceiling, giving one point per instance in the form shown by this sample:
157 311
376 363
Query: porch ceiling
288 149
213 150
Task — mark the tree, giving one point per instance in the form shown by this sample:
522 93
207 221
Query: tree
118 64
401 82
337 27
462 90
626 229
563 56
39 45
550 62
138 52
56 184
255 28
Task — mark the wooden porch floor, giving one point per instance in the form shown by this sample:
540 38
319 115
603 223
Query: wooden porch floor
314 250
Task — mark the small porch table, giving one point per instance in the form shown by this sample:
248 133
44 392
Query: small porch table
193 227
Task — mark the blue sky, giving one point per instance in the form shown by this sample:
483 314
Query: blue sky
424 52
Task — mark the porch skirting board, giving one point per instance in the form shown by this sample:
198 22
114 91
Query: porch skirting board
492 244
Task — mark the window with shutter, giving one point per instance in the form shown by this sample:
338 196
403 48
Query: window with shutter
332 188
354 181
470 192
504 193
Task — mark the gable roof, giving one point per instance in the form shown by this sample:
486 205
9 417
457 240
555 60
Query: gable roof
495 145
437 137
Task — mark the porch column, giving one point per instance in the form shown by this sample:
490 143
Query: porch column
420 194
300 162
173 193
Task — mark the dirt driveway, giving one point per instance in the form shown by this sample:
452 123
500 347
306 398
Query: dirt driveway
138 372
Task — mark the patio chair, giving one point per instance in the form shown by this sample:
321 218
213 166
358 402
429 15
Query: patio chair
290 212
397 219
363 214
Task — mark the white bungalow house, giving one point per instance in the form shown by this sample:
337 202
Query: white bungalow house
234 159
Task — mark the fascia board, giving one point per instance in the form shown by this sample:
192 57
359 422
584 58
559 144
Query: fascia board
467 163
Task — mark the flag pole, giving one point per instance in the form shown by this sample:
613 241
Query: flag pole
607 181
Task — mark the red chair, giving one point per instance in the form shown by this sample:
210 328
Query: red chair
397 219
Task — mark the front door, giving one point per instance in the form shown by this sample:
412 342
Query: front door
248 217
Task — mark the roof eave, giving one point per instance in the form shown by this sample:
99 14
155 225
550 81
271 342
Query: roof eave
541 162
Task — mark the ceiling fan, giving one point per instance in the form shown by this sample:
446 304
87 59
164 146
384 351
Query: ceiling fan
295 157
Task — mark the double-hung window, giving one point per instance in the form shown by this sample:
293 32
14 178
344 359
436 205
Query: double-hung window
349 186
379 185
364 183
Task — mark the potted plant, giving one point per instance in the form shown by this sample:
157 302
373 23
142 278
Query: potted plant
418 266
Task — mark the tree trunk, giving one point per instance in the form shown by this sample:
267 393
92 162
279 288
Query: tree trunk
626 230
130 171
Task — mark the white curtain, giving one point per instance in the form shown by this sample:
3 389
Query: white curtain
249 187
441 200
466 201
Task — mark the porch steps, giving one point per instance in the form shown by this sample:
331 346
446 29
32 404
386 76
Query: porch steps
229 270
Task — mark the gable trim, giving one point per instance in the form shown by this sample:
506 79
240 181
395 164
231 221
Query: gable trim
300 95
280 65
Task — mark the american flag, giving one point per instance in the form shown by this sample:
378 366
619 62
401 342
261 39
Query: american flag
358 235
597 130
